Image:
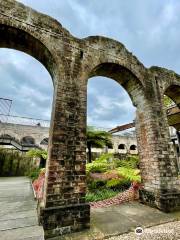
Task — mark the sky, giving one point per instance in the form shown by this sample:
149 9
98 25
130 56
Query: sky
149 29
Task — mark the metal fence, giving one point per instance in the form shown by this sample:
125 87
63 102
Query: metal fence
24 120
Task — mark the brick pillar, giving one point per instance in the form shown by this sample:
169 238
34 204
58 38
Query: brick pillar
178 140
64 209
157 159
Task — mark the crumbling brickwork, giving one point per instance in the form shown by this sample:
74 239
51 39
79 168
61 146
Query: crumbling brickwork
71 62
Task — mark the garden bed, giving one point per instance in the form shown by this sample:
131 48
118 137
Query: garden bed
108 182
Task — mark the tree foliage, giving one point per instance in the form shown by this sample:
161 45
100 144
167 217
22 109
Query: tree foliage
97 139
37 153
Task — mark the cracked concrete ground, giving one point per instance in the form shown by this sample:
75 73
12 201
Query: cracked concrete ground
120 222
18 215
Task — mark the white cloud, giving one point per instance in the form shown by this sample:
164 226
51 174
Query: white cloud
150 29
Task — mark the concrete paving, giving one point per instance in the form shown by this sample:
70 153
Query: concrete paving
118 220
18 215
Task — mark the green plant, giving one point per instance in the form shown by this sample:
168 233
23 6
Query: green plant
37 153
102 164
110 174
168 101
105 157
96 167
130 162
96 184
130 174
14 163
34 173
98 195
98 139
119 183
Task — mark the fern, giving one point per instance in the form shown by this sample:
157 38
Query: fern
96 167
131 162
113 182
100 195
130 174
101 164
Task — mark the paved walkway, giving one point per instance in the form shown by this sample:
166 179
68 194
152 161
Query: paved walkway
18 216
118 220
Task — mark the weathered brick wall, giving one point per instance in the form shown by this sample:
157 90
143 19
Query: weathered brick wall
38 133
71 62
18 131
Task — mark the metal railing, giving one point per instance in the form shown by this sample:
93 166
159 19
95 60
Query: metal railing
24 120
43 123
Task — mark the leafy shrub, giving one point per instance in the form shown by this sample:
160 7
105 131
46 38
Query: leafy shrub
95 184
14 163
34 174
37 153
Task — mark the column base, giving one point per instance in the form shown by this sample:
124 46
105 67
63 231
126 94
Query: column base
165 200
58 221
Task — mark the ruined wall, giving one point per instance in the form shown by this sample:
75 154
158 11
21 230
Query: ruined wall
71 62
38 133
18 131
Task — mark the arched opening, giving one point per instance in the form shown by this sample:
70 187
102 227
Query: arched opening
110 145
121 146
6 136
111 90
28 71
172 109
31 99
18 39
173 92
133 147
28 140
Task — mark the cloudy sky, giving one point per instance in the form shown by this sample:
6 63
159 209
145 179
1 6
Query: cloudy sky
150 29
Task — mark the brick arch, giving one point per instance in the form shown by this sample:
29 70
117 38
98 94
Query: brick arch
111 52
71 62
26 30
173 91
166 80
18 39
123 76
